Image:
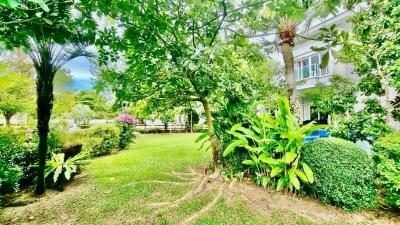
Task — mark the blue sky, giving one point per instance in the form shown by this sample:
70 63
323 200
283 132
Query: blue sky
80 68
81 76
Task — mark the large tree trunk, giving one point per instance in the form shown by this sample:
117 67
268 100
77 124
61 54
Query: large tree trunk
8 116
44 88
216 148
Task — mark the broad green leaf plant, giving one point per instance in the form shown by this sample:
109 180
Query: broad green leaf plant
274 147
59 166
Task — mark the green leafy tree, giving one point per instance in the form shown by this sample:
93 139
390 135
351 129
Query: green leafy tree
373 48
96 102
16 94
175 54
82 114
51 35
64 102
335 99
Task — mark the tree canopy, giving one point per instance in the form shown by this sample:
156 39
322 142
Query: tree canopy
16 93
175 53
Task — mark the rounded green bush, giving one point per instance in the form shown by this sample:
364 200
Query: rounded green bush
344 174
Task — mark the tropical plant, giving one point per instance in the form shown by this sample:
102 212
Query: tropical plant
289 20
344 174
51 36
387 158
274 146
58 166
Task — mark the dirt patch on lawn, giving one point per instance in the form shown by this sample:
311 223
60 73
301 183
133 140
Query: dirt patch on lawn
267 201
47 209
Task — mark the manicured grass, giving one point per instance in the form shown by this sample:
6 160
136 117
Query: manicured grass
119 190
117 200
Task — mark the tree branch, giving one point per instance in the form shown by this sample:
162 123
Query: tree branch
220 23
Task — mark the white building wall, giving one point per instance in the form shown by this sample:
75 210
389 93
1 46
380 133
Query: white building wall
302 50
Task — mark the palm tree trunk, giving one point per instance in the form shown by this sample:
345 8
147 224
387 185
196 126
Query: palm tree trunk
288 59
216 148
44 88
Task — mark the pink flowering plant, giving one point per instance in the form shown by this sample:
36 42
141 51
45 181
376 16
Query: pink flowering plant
126 124
126 118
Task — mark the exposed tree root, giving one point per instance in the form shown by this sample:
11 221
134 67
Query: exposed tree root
186 196
206 208
216 174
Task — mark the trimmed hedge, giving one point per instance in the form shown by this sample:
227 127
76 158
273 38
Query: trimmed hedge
387 158
344 174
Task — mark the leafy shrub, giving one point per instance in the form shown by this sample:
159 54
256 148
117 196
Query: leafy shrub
367 124
224 119
92 146
9 177
11 151
273 145
387 158
109 135
126 134
344 175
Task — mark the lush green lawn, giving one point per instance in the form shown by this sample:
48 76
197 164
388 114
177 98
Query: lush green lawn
120 198
120 189
153 157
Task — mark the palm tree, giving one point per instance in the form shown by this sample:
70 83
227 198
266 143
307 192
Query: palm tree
284 18
47 59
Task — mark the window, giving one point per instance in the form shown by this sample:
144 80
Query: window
305 68
315 65
309 67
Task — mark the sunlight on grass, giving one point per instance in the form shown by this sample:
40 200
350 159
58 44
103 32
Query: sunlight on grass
120 195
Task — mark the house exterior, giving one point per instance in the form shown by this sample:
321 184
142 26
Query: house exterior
308 73
307 61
